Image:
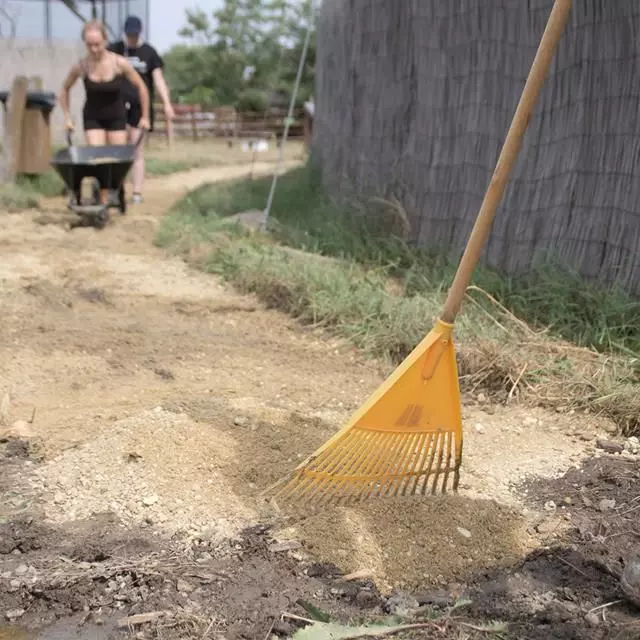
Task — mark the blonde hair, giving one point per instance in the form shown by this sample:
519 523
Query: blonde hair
95 25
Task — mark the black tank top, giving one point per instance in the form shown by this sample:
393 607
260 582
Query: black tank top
104 100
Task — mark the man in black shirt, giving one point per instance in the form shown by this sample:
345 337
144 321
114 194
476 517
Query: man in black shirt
148 63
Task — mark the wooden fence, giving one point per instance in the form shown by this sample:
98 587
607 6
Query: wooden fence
413 101
195 122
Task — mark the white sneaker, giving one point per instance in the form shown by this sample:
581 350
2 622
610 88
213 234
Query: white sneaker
136 198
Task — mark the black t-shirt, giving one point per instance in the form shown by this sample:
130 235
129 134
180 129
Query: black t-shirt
145 60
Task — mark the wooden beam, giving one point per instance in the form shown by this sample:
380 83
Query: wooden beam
14 124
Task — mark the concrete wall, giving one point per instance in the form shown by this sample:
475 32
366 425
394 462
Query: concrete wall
50 61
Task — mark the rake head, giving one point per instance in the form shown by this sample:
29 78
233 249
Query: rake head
405 440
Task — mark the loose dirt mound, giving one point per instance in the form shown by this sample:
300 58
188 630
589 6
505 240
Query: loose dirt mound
410 542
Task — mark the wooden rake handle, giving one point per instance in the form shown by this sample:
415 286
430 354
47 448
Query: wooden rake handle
508 156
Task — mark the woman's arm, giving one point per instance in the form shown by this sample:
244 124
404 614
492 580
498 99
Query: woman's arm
136 80
70 80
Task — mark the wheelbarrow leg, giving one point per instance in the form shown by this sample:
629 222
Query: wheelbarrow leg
122 200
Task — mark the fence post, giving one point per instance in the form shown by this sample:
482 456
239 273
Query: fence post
194 125
14 123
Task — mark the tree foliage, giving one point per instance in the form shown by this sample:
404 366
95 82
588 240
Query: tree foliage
245 54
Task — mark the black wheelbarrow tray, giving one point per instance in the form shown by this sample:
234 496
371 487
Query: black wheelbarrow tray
107 165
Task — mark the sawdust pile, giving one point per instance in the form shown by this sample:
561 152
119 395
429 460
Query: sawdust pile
104 160
413 542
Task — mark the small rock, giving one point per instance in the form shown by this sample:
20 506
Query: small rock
285 545
22 570
632 445
401 604
478 427
530 421
546 527
5 410
14 614
284 629
183 586
482 397
365 599
464 532
592 619
7 544
568 500
149 501
59 498
609 446
15 584
240 422
606 505
550 505
630 580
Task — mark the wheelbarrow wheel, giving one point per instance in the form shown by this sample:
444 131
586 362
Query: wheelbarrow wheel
101 219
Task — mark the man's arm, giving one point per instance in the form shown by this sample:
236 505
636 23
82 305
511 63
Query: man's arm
161 84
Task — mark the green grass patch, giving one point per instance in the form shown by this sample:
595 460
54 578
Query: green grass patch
550 297
48 184
14 197
27 190
336 268
161 167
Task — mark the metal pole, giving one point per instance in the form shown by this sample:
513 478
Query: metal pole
292 104
47 19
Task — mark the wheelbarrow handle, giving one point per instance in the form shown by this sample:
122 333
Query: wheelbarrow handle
140 139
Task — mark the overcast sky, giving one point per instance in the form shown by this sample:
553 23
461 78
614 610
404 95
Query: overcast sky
167 17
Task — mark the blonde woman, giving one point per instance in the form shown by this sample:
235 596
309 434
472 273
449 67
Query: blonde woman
104 114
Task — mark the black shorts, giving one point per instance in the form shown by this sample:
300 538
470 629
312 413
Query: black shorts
134 113
104 124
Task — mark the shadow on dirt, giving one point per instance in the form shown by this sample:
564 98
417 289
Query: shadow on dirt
83 579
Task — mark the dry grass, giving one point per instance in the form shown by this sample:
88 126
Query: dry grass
188 154
498 353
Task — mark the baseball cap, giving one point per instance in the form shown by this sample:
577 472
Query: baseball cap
133 26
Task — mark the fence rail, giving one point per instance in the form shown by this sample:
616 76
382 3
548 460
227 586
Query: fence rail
413 100
196 122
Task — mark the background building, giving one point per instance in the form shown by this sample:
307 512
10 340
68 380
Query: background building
54 20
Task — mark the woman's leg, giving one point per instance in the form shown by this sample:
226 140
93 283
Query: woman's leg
118 136
97 138
137 171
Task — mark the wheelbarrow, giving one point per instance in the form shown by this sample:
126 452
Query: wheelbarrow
106 166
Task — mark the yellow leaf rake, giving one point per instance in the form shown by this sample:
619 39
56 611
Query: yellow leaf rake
406 439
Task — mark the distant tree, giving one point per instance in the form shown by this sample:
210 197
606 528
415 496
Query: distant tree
244 49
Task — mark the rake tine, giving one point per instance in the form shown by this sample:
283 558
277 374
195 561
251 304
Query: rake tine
368 441
362 467
375 440
434 484
447 470
403 455
421 454
377 463
422 489
387 474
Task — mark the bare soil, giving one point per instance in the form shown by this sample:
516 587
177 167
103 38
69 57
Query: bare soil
165 402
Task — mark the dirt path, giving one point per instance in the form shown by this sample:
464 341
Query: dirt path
168 400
